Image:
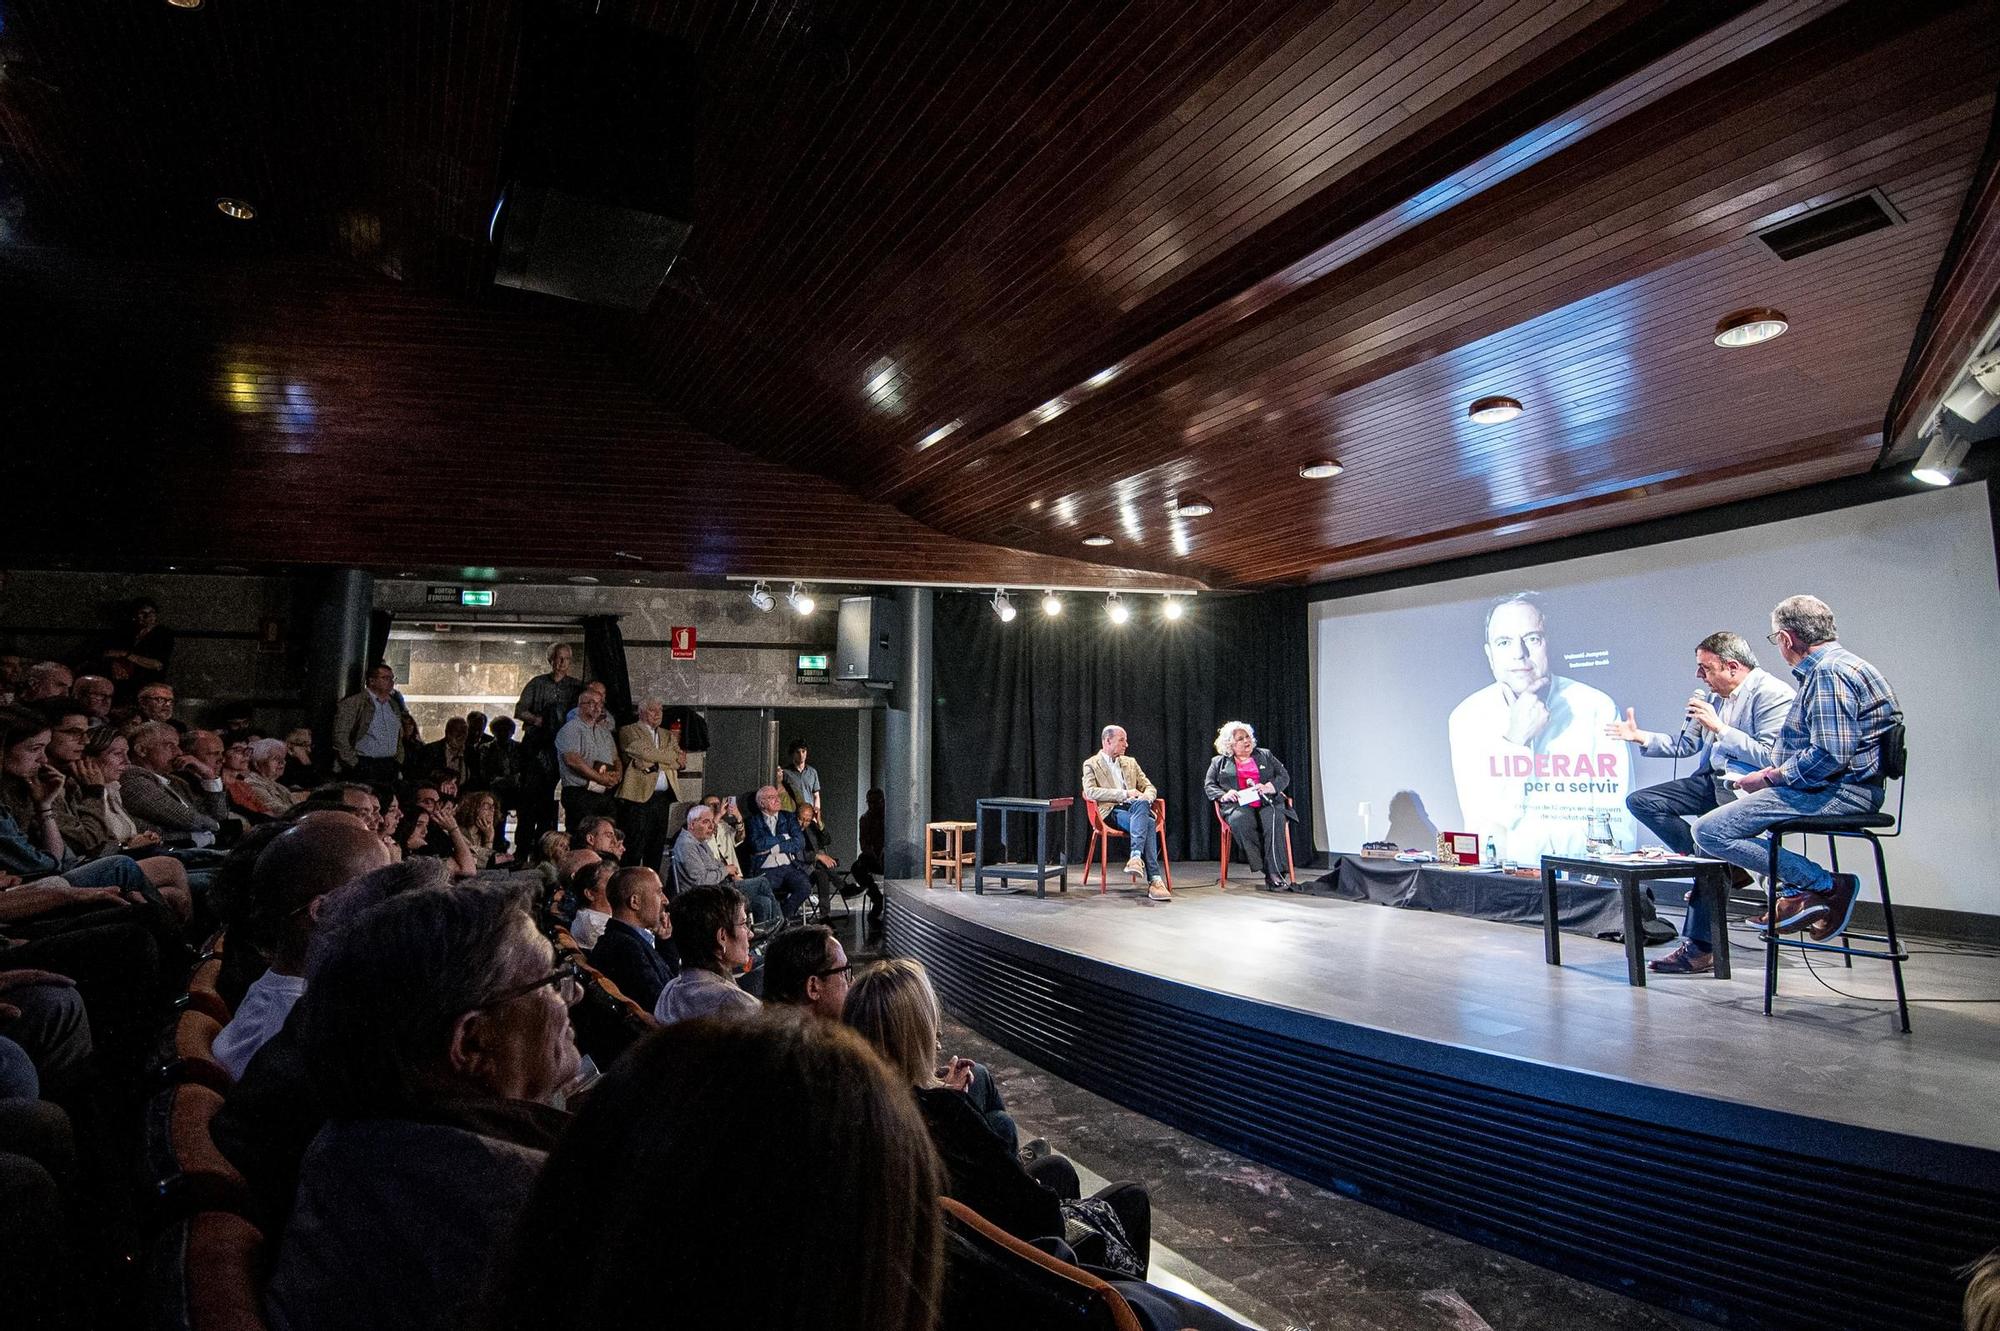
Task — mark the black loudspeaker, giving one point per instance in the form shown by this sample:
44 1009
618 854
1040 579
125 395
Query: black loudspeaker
599 163
869 646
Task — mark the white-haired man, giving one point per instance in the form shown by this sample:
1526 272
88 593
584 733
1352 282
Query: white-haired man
646 792
1827 760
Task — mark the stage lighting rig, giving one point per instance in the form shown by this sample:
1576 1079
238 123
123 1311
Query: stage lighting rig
760 596
1002 606
799 599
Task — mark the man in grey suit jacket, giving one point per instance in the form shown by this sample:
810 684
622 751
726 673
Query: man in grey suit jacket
698 862
1731 724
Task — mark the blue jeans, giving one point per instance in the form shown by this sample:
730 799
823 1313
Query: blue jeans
1136 818
119 871
758 895
1664 811
1732 832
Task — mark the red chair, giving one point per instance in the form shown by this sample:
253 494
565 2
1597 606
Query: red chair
1291 865
1101 833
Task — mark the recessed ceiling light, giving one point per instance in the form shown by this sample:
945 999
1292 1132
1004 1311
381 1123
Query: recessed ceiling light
236 208
1746 328
1493 410
1322 470
1097 538
582 579
1193 506
185 4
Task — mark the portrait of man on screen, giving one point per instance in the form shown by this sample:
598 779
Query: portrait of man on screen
1528 751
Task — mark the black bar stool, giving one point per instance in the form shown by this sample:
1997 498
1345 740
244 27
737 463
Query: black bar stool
1869 827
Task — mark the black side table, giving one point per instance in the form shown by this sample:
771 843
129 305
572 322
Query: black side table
1041 870
1711 876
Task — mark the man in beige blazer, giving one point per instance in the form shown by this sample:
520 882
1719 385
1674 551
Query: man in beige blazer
1124 795
646 792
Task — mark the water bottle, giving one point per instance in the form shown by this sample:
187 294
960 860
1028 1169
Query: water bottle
1492 852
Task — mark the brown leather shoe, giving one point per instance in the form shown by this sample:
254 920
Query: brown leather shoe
1839 898
1157 890
1799 910
1687 959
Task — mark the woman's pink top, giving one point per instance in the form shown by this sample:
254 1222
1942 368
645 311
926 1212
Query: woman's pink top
1246 773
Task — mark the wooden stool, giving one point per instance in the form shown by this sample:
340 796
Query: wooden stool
950 856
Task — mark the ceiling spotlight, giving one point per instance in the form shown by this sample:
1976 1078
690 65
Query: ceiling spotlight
1493 410
1115 608
1746 328
235 208
1051 604
1324 469
798 599
1097 538
1941 459
1193 506
185 4
760 596
1003 607
1172 607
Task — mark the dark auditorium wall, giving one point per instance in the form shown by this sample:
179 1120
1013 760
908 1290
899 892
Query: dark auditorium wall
1019 705
220 651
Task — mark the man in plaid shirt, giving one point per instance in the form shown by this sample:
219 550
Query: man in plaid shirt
1827 760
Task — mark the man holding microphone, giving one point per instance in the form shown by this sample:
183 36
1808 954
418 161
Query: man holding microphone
1732 722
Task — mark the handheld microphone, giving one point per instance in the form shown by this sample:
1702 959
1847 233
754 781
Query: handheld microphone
1708 696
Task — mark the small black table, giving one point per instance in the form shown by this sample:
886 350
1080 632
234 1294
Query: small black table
1041 870
1711 876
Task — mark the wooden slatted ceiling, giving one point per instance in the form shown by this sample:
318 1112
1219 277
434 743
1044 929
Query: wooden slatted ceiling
1296 227
296 412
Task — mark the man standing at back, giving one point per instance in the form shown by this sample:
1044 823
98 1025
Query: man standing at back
1124 796
368 728
1827 760
587 748
646 794
544 705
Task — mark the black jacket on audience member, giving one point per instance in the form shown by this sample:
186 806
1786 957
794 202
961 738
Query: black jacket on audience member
629 958
982 1173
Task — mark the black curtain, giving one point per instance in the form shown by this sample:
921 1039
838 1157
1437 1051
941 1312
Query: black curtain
1019 706
604 649
379 623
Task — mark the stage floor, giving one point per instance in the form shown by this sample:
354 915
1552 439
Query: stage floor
1483 986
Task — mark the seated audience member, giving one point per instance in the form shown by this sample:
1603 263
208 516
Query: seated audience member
839 1153
451 754
712 930
892 1004
292 877
600 833
478 817
698 862
563 900
155 702
728 828
169 792
633 952
299 773
871 865
31 843
592 884
497 767
805 966
259 785
430 827
777 850
436 1026
13 676
234 769
90 812
46 680
821 864
94 692
1982 1293
271 1114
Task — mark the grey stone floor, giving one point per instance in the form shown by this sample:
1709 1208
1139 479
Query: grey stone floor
1283 1254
